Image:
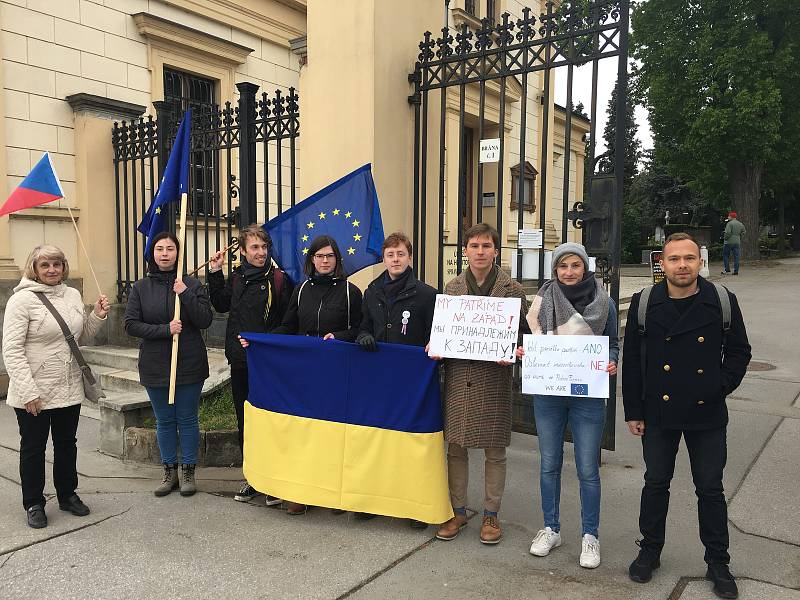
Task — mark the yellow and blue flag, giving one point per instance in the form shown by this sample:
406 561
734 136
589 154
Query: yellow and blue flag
328 424
347 210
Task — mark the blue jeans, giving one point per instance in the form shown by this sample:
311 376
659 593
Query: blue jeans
586 418
727 250
179 418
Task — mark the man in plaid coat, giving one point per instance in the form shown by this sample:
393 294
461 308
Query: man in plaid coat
477 405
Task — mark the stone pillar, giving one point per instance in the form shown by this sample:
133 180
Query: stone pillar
95 195
8 269
360 114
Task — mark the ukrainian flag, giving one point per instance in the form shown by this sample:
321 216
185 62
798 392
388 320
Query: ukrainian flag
328 424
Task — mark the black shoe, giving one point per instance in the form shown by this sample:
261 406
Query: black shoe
736 272
36 517
641 569
724 583
74 505
361 516
414 524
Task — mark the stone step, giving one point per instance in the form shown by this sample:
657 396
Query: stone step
118 357
120 380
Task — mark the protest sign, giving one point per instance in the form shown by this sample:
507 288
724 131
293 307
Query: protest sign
475 327
565 365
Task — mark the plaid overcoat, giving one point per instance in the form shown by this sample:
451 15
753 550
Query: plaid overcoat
477 403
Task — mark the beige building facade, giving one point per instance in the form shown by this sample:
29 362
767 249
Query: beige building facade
71 68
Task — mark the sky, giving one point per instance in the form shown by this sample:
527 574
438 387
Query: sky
582 92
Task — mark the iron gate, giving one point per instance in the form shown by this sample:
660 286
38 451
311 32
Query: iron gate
229 144
496 57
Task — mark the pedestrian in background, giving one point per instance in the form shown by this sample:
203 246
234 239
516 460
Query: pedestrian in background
732 243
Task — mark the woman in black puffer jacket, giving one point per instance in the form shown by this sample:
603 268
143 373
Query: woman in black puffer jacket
325 305
149 315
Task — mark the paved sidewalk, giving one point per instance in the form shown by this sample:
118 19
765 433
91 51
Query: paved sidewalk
136 546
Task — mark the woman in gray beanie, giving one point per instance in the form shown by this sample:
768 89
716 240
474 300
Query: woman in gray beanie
574 302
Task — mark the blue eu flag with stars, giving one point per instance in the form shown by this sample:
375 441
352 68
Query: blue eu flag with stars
174 183
347 210
579 389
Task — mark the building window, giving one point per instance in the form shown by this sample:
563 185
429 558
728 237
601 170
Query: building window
470 7
529 181
184 90
491 11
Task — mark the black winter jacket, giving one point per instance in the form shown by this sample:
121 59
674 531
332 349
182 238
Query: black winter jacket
319 306
151 307
687 374
246 301
385 322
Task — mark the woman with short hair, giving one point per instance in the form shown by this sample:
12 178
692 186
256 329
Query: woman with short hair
149 316
45 380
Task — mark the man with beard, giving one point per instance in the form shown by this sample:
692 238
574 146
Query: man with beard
256 296
685 350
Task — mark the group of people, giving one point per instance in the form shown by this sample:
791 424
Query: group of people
683 350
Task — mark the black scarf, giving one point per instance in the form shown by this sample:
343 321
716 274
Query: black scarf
251 273
581 294
484 289
393 287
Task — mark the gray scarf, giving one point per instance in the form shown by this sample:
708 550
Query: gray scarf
556 314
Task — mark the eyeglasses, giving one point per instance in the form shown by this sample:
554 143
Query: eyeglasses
325 256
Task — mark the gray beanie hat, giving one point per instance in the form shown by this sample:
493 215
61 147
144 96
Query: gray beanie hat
570 248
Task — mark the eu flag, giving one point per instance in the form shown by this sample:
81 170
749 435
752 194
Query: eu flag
579 389
174 183
347 210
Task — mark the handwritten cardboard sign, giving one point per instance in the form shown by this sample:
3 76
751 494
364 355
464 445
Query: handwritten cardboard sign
565 365
475 327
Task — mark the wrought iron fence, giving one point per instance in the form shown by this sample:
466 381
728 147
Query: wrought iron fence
489 62
242 170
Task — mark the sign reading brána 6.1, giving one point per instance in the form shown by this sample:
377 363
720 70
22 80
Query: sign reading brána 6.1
565 365
475 327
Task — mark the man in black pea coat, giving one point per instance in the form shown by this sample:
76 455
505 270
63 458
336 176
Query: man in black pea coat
256 296
680 390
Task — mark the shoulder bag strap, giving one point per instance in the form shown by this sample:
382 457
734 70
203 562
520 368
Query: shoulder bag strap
73 345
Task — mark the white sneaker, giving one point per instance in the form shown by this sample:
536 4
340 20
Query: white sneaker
590 552
545 540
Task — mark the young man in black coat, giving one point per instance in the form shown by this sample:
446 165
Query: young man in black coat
674 383
256 296
397 307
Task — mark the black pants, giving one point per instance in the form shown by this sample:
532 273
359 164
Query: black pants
707 455
34 431
239 390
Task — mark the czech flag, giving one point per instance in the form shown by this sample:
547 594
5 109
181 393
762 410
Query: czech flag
328 424
39 187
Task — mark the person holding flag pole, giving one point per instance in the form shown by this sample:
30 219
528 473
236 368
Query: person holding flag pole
154 314
48 377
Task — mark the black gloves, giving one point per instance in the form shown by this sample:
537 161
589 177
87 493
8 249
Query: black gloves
367 342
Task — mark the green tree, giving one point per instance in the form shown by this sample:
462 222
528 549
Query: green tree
709 72
633 147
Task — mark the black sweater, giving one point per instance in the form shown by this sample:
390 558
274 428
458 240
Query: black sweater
246 301
151 307
319 306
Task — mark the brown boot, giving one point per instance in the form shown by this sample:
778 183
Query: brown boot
294 509
450 529
490 530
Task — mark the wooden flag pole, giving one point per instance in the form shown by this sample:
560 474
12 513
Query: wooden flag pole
205 264
88 259
173 368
